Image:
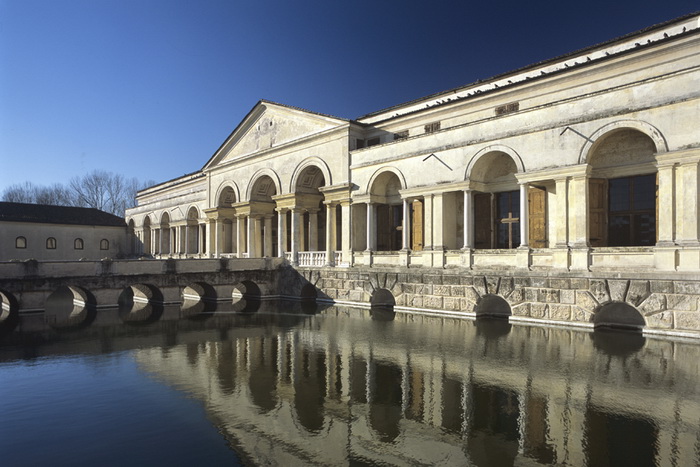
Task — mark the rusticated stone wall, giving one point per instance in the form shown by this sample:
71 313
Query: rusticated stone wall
668 306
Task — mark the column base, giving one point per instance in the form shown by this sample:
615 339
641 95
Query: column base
580 259
522 257
688 259
666 257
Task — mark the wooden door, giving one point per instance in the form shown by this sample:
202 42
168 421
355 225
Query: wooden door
537 210
598 215
417 226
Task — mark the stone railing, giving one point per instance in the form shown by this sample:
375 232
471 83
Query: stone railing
312 258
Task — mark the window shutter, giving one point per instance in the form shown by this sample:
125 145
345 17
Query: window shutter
417 225
598 215
482 220
537 203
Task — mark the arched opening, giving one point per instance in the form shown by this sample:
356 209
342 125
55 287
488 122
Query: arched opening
198 297
192 234
388 207
69 306
496 202
132 239
246 297
492 306
226 220
619 315
165 235
9 312
623 190
140 303
310 199
261 224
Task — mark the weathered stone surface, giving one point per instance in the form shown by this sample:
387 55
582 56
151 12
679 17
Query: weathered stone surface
457 291
580 283
689 321
432 301
599 290
687 287
356 296
638 291
661 286
466 280
480 285
531 295
432 279
682 302
443 290
560 312
343 294
391 281
451 279
471 294
618 290
400 300
585 301
581 315
654 303
538 310
415 301
492 284
415 278
466 305
451 304
517 296
567 296
521 281
663 320
506 286
549 295
559 283
521 310
537 281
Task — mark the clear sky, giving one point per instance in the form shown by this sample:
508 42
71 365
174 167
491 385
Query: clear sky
151 88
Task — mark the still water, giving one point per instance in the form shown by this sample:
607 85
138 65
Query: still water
343 386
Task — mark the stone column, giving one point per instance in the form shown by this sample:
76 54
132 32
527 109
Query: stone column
268 235
667 213
346 234
313 230
578 222
688 229
524 216
330 234
187 239
250 237
214 238
468 221
296 233
428 222
202 237
437 226
405 226
240 236
281 232
371 227
560 222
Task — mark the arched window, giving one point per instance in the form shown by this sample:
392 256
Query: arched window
104 244
78 244
50 243
20 242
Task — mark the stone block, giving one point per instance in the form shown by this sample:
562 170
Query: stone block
402 277
432 279
661 286
654 303
538 310
355 295
579 283
451 279
471 294
581 315
443 290
466 305
567 296
451 304
415 301
457 291
492 284
374 281
432 301
663 320
559 283
687 287
466 280
548 295
480 285
391 281
517 296
585 301
599 290
560 312
400 300
521 281
506 286
531 295
521 310
539 281
415 278
682 302
689 321
332 293
618 290
638 291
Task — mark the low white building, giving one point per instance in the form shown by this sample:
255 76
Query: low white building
52 233
585 162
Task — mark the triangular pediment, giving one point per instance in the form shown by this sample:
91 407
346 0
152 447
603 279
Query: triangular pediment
269 125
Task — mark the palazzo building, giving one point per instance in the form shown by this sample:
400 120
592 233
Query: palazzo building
587 161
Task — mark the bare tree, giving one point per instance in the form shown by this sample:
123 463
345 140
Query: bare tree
19 193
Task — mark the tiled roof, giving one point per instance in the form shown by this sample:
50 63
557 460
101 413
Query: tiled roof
21 212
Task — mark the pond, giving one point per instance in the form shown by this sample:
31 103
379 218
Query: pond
287 385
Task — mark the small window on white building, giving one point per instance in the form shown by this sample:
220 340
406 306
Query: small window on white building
78 244
104 244
20 242
50 243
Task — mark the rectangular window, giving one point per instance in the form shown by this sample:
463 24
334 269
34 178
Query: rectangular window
359 143
497 220
401 135
632 211
432 127
373 141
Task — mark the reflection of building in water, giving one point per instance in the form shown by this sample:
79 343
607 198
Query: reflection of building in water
418 389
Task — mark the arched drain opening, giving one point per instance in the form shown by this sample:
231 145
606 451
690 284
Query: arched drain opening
382 304
140 303
9 312
69 306
618 315
246 297
197 298
492 306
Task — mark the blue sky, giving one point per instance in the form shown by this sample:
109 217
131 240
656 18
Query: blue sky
151 88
